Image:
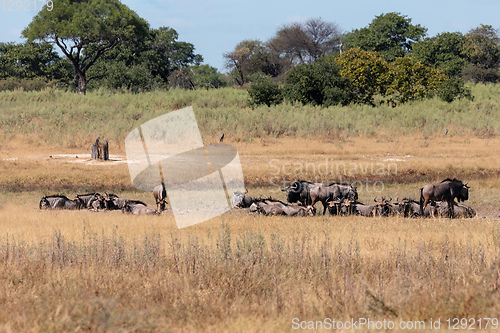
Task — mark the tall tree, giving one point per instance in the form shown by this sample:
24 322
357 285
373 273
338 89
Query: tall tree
249 57
391 35
444 51
306 42
84 30
482 49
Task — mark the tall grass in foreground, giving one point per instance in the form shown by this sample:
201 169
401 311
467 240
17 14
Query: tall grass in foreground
69 119
243 282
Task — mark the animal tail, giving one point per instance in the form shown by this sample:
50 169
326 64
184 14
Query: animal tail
421 201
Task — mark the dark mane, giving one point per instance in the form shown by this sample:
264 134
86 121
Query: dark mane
55 196
454 180
84 195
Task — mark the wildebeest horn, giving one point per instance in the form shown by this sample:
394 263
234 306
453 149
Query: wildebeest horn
390 198
246 190
467 182
375 199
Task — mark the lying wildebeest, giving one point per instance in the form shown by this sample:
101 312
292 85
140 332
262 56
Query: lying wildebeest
99 203
341 207
447 190
275 207
59 202
138 209
88 199
160 195
386 208
409 207
331 192
298 191
459 210
241 200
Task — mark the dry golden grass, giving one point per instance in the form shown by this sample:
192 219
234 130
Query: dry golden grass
85 271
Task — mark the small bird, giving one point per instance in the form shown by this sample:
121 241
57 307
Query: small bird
221 138
445 132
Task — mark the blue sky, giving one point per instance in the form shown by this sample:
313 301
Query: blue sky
217 26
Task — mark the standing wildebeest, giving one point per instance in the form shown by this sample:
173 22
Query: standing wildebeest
59 202
331 192
160 195
447 190
298 191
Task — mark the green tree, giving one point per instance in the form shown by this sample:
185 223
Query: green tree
411 80
367 71
482 49
143 64
85 30
249 57
30 60
444 51
319 83
265 91
391 35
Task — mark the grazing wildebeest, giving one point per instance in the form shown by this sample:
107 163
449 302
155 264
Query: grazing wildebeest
59 202
331 192
87 199
298 191
160 194
138 209
241 200
447 190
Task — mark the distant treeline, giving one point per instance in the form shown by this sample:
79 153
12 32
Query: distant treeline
58 117
311 62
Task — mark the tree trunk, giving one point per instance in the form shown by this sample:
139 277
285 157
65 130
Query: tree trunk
82 82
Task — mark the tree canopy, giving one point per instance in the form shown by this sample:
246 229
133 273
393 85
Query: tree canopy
392 35
85 30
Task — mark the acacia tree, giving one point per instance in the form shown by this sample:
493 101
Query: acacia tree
84 30
306 42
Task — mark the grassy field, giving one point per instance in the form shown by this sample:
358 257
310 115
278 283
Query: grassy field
109 272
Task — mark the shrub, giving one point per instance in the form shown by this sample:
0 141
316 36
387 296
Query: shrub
265 91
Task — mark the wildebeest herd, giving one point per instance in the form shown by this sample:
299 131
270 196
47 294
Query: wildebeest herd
342 199
106 202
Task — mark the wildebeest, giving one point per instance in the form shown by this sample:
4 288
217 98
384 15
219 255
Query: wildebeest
276 207
341 207
409 207
138 209
331 192
87 199
459 210
386 208
241 200
59 202
298 191
160 195
447 190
